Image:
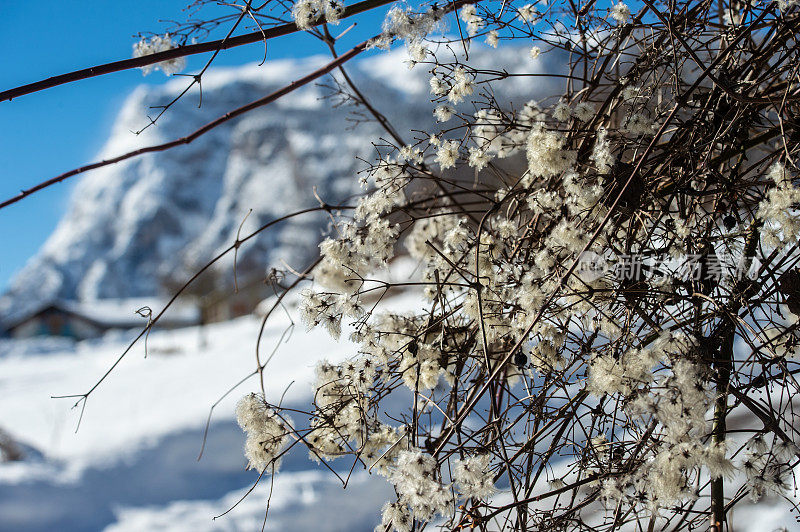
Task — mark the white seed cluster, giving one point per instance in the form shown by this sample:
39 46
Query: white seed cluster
267 433
155 44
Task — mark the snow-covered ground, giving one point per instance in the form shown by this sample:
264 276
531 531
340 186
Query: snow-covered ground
132 465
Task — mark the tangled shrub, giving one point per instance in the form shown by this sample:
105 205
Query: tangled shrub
542 397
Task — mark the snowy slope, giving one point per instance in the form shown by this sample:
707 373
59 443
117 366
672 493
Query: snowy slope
131 225
134 457
132 465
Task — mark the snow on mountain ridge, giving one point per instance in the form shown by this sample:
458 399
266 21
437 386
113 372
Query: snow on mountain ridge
131 225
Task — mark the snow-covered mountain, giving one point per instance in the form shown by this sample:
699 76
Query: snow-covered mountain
160 216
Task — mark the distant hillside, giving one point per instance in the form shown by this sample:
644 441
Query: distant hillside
131 226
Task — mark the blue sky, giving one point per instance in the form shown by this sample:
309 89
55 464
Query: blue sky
46 133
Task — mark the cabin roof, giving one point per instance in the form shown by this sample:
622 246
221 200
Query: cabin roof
109 313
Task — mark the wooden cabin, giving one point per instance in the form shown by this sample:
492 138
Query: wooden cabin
81 320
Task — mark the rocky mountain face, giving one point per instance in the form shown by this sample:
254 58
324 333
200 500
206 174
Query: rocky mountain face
133 225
